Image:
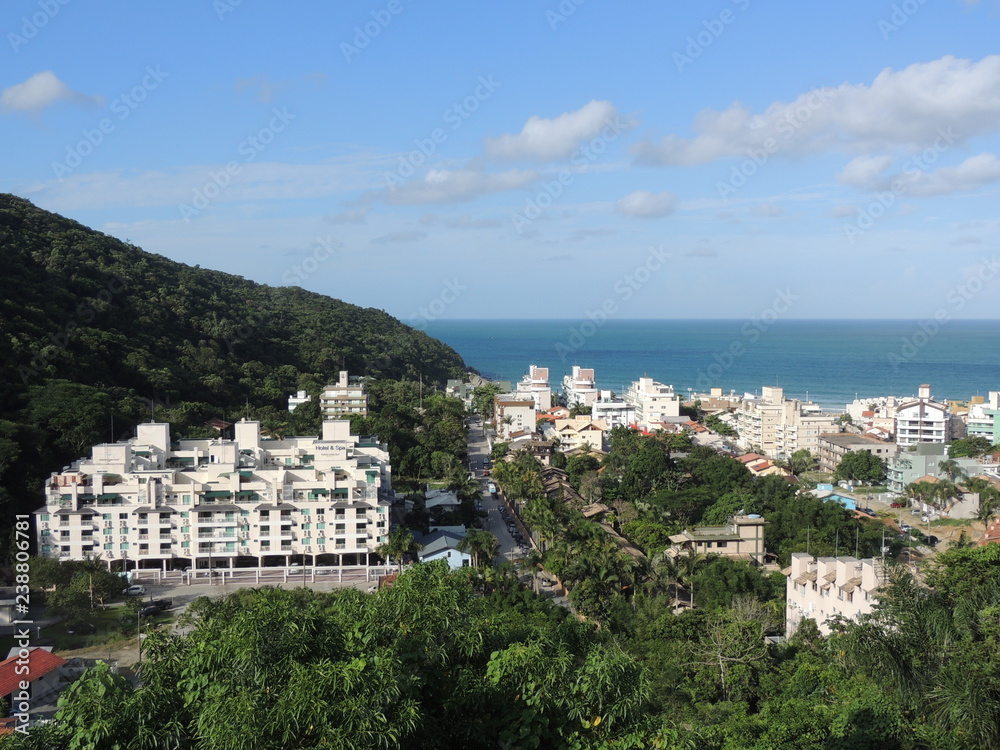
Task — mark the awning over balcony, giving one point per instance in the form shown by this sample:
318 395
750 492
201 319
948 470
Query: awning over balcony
218 493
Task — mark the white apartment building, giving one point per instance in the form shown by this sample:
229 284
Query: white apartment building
878 412
579 387
825 587
151 503
983 419
300 397
345 398
615 413
654 402
778 426
922 420
535 385
512 413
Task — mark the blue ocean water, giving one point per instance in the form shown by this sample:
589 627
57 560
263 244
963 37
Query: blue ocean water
828 361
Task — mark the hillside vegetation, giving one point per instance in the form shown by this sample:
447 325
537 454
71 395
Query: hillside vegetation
93 329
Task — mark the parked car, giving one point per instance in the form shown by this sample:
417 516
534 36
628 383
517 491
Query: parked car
867 511
896 505
905 527
162 603
134 591
931 540
149 611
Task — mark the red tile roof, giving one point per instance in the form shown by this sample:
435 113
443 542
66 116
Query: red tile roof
40 663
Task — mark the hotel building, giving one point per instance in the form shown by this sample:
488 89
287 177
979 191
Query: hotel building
151 503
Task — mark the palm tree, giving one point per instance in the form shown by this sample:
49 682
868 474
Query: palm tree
480 544
399 543
951 469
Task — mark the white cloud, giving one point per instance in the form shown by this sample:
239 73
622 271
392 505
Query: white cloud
40 91
843 209
906 109
447 186
463 221
647 205
769 210
546 140
863 171
971 174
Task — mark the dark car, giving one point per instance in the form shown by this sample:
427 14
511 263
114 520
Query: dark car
162 603
931 540
149 611
81 628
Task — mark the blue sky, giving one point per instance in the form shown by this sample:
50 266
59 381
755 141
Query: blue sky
528 160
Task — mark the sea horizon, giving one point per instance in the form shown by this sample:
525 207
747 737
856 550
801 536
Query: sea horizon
826 360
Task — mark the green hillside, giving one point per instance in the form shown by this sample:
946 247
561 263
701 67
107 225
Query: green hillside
93 328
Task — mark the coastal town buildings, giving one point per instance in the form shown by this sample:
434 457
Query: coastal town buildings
827 587
535 385
580 432
655 403
614 412
579 387
513 413
922 460
833 446
346 397
983 418
300 397
922 420
777 426
151 502
741 537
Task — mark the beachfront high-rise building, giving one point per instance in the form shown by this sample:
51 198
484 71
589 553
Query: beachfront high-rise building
777 426
922 420
346 397
983 419
654 403
535 385
153 503
579 388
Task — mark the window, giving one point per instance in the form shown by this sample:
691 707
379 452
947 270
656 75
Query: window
105 517
44 517
185 545
321 525
123 545
123 516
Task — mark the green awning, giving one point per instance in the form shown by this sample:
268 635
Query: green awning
141 453
246 493
87 496
246 474
218 493
108 496
183 459
309 457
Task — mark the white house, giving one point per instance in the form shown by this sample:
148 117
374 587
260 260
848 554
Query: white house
825 587
579 388
443 545
535 385
922 420
614 412
653 402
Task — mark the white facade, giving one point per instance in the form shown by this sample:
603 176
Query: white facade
535 385
579 387
983 419
922 420
578 432
654 402
614 413
823 588
345 398
300 397
512 413
778 426
153 503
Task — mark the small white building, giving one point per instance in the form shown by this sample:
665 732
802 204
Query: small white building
614 412
826 587
513 413
300 397
654 402
922 420
443 545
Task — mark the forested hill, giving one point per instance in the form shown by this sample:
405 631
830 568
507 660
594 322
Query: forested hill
92 327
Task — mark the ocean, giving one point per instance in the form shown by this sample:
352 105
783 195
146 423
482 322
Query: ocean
830 362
